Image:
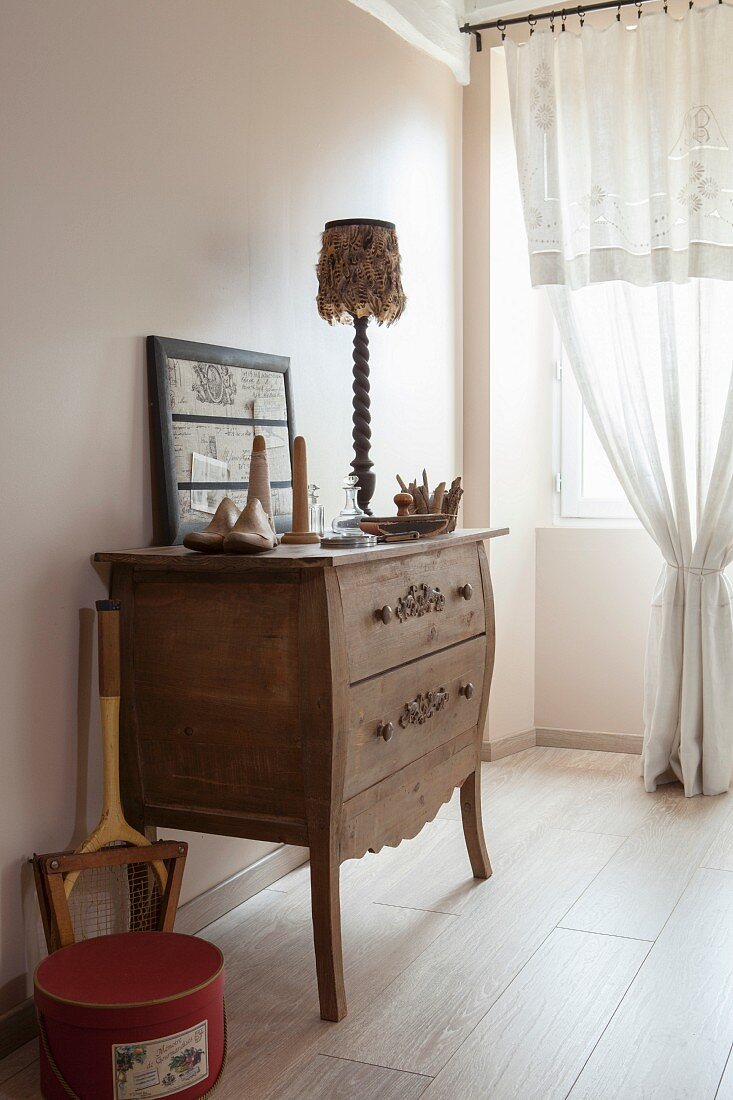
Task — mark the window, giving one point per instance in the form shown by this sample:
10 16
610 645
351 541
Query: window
585 485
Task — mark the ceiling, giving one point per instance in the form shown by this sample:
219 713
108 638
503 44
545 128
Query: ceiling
433 25
478 11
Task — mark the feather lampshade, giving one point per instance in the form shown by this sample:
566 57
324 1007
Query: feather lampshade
359 277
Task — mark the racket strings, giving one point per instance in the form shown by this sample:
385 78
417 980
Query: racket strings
106 900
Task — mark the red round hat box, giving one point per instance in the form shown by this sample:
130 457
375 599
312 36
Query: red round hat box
132 1016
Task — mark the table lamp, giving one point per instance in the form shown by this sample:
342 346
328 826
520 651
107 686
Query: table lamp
359 278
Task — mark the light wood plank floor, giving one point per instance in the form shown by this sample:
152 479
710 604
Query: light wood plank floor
597 962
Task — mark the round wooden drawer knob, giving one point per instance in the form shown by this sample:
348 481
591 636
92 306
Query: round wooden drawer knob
385 613
188 730
467 691
466 590
386 731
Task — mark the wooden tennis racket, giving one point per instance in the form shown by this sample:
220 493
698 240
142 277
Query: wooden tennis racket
112 828
117 891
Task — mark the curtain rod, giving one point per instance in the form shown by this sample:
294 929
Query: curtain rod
562 13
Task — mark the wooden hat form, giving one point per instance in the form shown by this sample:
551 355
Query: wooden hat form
300 535
259 477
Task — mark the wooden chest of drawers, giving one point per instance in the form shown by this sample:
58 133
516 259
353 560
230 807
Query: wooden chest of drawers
332 699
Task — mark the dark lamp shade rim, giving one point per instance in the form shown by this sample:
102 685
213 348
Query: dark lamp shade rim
359 221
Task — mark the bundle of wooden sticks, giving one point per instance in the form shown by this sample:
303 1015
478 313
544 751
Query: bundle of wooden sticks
435 503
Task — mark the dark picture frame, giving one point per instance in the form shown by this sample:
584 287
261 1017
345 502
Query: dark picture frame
222 376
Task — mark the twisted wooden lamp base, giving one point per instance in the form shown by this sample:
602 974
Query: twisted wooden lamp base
362 432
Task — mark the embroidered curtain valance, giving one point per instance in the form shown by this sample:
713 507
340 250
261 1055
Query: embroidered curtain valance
623 140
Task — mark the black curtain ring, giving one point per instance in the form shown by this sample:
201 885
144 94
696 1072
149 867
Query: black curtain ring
581 14
638 9
532 20
666 7
501 27
552 22
618 14
563 17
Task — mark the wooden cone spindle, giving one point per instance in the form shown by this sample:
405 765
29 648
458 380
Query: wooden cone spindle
259 476
300 535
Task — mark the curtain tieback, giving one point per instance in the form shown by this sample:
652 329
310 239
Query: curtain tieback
696 571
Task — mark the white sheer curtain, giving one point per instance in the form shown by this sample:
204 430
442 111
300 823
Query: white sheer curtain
654 368
623 149
627 184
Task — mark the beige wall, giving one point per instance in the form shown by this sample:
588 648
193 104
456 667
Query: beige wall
521 347
476 294
594 590
166 167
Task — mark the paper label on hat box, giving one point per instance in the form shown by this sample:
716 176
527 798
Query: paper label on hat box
160 1067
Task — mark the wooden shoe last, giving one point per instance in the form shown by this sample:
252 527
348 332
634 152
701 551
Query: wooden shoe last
211 539
252 533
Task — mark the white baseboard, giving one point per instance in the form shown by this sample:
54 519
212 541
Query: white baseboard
590 739
508 745
17 1027
561 739
220 899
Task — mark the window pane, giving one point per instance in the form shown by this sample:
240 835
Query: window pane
599 481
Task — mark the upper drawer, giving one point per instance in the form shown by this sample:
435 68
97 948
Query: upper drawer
403 608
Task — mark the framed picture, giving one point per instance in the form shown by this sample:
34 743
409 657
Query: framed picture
207 405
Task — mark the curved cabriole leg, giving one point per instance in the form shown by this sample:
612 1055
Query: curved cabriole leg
326 910
473 828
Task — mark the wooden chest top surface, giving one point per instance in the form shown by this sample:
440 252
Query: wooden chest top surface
284 557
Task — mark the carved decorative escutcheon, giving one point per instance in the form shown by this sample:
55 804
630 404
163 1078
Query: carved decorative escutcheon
420 600
424 707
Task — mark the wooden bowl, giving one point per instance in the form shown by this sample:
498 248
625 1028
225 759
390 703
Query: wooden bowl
427 526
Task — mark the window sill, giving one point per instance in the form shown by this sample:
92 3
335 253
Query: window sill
630 524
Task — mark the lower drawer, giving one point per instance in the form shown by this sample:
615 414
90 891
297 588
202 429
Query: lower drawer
400 716
397 808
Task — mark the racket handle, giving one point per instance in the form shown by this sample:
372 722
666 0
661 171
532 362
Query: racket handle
108 629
